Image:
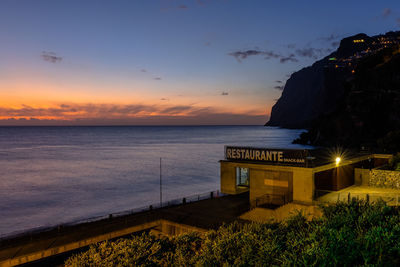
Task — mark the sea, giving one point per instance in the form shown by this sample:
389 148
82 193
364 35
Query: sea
58 175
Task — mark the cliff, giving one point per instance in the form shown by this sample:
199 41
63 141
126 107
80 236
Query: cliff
351 97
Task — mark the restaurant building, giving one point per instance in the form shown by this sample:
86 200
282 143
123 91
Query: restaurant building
281 176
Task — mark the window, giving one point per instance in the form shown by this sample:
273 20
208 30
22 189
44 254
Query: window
242 176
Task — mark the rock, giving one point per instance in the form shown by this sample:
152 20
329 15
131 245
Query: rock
350 98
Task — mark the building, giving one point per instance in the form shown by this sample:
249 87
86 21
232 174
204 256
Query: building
275 177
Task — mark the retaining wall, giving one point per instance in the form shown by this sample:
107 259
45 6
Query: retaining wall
384 179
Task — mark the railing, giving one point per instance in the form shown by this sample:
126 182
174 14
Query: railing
164 204
271 200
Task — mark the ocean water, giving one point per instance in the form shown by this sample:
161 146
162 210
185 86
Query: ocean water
55 175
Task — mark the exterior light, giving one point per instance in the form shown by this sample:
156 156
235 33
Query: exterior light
338 159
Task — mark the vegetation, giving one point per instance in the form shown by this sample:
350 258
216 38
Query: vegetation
394 163
347 234
390 142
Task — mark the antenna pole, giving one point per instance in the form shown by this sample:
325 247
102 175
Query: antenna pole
160 185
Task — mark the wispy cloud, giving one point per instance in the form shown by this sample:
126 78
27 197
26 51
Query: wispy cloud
279 87
177 110
291 58
239 55
306 52
386 12
112 114
143 70
314 53
309 52
267 54
51 57
329 38
202 2
335 44
170 6
225 93
157 78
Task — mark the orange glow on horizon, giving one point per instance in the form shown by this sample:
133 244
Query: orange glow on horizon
43 100
74 111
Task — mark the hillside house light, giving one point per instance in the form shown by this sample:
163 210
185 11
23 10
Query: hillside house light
338 159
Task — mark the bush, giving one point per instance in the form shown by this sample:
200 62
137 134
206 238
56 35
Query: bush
394 163
390 142
348 234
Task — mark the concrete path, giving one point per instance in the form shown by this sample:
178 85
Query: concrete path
391 196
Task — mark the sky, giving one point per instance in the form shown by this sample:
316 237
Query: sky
164 62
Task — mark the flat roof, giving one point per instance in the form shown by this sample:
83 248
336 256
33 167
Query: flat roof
317 157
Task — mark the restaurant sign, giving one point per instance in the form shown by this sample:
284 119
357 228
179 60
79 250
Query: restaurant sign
282 156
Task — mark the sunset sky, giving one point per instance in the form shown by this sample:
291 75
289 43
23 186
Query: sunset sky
117 62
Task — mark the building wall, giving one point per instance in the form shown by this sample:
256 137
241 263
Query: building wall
345 176
228 178
263 215
277 184
361 176
300 180
336 178
325 180
303 185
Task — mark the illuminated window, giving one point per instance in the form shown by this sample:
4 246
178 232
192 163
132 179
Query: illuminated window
242 176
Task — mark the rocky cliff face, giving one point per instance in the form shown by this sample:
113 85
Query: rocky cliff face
309 93
350 97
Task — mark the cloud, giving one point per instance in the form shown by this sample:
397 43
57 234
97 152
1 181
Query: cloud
291 58
202 2
278 87
244 54
386 12
170 6
114 114
278 81
311 52
158 78
308 52
74 111
177 109
329 38
143 70
51 57
164 99
335 44
225 93
241 55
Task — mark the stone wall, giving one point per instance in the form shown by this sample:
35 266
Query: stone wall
385 179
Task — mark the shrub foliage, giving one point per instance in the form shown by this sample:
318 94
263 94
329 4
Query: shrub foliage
348 234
